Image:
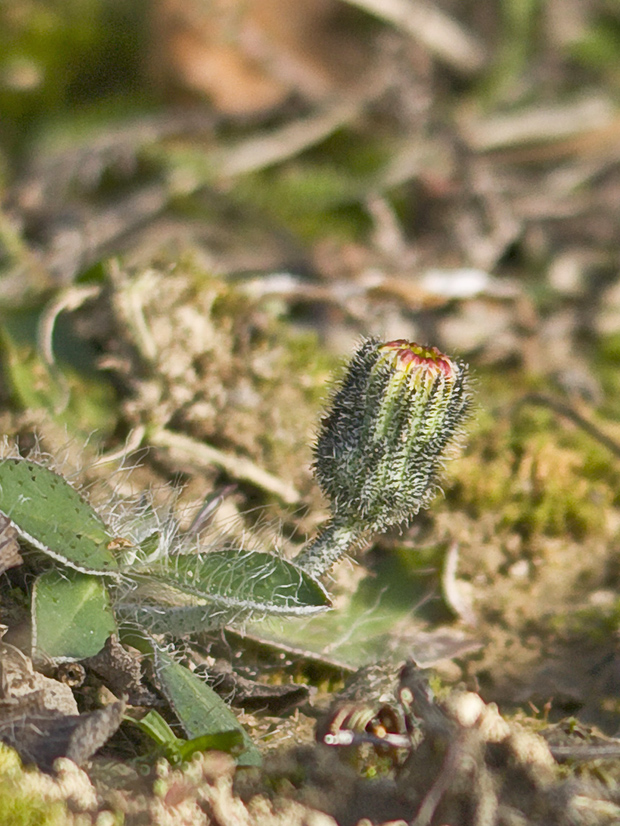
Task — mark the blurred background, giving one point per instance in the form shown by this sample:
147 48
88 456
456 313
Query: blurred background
206 202
408 154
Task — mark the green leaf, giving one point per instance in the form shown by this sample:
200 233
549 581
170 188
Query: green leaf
49 514
157 728
200 710
389 611
176 620
244 580
178 750
71 616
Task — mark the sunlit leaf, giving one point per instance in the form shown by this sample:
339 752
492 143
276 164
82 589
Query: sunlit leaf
176 749
396 610
53 517
199 709
71 616
245 580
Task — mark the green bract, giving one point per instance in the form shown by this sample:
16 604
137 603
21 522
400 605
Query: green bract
384 438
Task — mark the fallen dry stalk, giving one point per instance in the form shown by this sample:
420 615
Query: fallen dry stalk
439 33
185 450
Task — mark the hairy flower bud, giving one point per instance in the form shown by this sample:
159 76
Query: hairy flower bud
397 409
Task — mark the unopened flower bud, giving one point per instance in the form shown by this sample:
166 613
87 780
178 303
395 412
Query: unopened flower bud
384 439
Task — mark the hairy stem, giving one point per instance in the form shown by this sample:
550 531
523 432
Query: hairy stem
334 541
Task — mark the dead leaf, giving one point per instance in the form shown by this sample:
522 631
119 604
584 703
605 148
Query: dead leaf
41 737
249 57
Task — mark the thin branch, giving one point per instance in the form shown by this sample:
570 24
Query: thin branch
540 124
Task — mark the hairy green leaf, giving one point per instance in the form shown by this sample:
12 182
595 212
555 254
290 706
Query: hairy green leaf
49 514
177 620
244 581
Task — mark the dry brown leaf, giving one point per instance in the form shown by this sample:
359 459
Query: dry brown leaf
249 57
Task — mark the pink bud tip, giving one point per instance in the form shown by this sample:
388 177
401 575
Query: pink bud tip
409 354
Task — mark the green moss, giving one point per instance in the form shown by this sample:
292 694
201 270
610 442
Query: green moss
540 474
597 624
18 805
605 363
609 349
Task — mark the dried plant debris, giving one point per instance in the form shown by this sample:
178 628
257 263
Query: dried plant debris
205 367
23 687
120 669
252 695
202 794
9 546
308 48
454 760
39 716
41 737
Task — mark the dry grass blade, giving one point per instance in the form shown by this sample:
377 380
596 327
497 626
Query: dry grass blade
441 34
187 451
286 142
538 123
